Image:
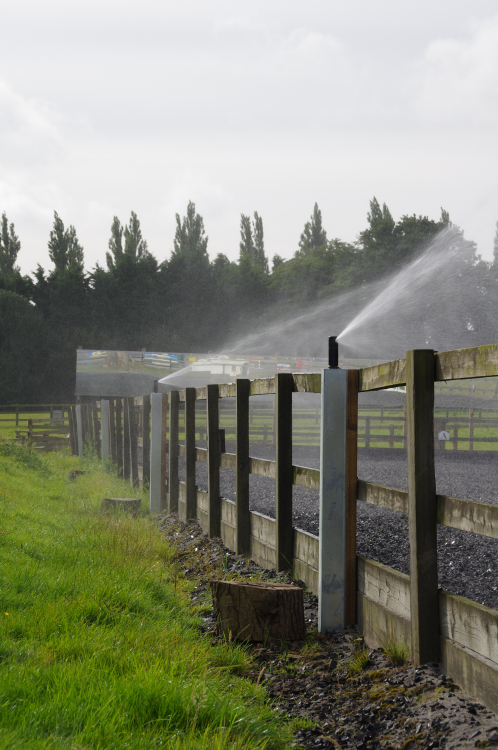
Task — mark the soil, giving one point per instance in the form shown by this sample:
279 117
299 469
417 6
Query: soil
467 562
312 681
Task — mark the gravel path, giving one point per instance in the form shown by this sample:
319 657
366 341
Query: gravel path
468 563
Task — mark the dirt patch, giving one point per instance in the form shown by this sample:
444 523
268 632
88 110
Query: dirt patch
313 681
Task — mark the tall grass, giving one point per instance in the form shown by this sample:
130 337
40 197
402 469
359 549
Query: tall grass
98 648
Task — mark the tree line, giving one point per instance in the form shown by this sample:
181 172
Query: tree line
191 301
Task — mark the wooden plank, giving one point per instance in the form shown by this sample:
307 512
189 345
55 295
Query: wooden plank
475 362
283 470
242 524
72 433
386 375
146 441
262 467
307 574
119 436
467 515
191 492
229 460
263 386
422 505
384 497
262 554
227 390
305 548
377 624
384 585
213 460
164 427
263 528
473 673
307 382
304 477
469 624
132 427
173 453
228 513
351 486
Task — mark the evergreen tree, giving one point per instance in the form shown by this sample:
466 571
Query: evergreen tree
64 248
10 245
314 235
115 244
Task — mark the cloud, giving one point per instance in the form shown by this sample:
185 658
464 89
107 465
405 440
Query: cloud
456 82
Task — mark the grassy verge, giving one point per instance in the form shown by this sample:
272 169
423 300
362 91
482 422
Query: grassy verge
98 647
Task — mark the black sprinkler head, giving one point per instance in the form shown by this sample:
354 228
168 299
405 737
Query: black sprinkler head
333 353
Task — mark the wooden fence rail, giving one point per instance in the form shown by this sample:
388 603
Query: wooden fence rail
438 625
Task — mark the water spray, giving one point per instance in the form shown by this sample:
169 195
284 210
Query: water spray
333 353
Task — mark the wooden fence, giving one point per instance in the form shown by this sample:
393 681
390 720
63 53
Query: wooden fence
438 625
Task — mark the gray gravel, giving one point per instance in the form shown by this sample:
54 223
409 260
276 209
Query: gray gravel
468 563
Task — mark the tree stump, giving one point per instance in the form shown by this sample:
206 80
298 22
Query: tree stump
257 611
128 504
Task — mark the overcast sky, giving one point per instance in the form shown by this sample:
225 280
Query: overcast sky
108 107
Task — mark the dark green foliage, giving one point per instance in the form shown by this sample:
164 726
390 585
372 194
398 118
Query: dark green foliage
23 349
10 245
64 248
189 303
314 235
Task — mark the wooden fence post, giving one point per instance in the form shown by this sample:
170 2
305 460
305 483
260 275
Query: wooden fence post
190 486
104 421
126 439
471 429
119 436
213 447
159 404
173 484
79 429
242 515
72 431
17 415
422 508
283 471
96 430
146 443
132 426
112 425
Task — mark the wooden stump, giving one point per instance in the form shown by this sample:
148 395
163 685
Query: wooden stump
127 504
246 610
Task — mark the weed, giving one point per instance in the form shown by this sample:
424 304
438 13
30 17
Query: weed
397 652
360 656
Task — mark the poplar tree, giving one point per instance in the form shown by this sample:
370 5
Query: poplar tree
252 243
115 244
64 248
190 241
313 235
10 245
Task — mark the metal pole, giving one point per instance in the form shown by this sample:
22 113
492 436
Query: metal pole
332 540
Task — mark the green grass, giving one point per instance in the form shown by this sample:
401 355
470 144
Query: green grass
99 647
397 652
